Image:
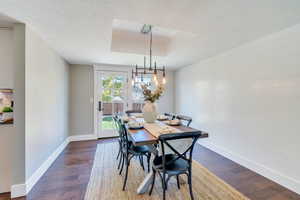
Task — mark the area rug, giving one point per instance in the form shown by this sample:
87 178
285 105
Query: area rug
106 184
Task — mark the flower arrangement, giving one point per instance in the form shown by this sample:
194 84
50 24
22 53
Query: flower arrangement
152 96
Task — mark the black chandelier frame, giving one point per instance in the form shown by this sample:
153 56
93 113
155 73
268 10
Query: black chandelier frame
154 70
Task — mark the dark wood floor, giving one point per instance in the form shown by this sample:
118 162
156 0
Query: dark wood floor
4 196
68 177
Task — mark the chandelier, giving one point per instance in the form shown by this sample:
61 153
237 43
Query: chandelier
154 70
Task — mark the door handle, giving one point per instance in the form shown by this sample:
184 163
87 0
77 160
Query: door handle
99 106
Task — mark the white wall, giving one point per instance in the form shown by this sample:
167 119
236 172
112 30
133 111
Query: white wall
81 100
18 136
6 131
166 102
248 100
12 137
6 58
46 101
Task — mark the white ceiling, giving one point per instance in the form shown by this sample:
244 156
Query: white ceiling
81 30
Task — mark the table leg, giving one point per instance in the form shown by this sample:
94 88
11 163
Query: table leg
144 186
181 180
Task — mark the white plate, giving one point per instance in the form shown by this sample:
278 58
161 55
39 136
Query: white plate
162 117
174 122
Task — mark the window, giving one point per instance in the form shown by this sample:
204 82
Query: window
137 92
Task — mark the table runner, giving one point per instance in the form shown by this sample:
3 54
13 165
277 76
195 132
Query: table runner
158 128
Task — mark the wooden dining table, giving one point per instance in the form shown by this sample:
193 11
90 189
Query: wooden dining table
144 137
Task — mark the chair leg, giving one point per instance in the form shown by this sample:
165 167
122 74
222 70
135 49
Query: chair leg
119 150
120 160
126 174
190 184
178 185
167 181
123 159
153 182
118 154
142 162
148 161
164 186
129 159
142 159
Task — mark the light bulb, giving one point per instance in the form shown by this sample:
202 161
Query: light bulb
155 78
164 80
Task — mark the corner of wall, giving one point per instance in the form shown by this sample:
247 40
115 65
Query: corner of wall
18 148
19 190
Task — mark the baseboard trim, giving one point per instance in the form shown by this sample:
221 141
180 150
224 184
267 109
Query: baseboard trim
267 172
18 190
23 189
45 166
82 137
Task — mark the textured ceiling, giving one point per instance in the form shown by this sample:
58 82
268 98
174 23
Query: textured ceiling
81 30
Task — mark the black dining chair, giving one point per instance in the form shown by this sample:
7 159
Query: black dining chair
171 116
120 155
186 119
128 151
175 163
118 129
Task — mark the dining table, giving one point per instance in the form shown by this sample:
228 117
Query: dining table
145 136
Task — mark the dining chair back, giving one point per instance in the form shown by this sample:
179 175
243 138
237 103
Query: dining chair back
171 116
118 129
175 163
166 139
122 134
116 123
186 119
130 112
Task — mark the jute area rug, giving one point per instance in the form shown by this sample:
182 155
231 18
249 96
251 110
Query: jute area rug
106 184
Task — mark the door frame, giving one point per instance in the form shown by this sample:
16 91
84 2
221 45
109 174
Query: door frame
109 68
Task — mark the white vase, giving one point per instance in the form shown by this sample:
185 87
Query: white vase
149 112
